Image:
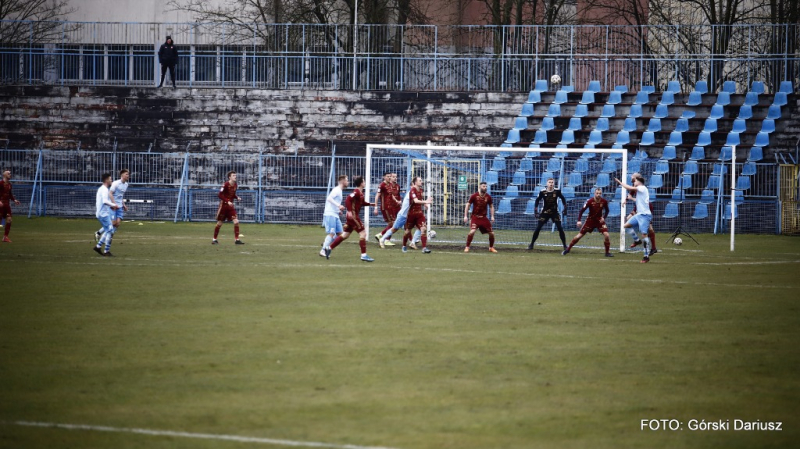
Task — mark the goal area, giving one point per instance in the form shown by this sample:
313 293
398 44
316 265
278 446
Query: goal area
515 176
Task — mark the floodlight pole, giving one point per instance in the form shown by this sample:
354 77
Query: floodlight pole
733 196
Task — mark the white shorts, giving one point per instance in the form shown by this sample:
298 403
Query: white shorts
333 225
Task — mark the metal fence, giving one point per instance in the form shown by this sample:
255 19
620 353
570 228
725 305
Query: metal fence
292 189
399 57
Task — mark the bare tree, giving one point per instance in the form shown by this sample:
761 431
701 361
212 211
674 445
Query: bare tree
26 20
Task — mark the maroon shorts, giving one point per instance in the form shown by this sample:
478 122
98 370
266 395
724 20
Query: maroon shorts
226 212
353 224
5 211
415 220
389 215
481 223
590 225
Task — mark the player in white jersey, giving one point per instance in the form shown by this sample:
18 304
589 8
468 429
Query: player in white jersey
640 221
117 190
331 219
105 207
400 223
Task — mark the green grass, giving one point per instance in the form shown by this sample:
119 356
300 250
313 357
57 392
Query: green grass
447 350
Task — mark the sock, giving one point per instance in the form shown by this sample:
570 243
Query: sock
236 231
632 233
646 244
606 243
363 244
8 228
575 240
387 235
491 240
469 239
417 235
216 231
336 242
424 240
387 228
108 242
652 236
327 242
101 231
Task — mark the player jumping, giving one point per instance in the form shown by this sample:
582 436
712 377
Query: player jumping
353 204
643 217
105 208
399 222
480 201
330 219
598 211
226 211
550 195
117 190
416 216
650 232
6 197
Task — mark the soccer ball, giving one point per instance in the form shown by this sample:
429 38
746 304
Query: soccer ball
555 79
431 234
678 241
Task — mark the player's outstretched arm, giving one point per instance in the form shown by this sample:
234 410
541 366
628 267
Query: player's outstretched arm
623 185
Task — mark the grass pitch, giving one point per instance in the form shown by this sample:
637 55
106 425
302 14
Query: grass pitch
448 350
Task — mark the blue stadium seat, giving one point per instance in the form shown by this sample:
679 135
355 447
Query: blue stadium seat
669 153
729 87
700 211
554 110
774 112
691 168
733 139
648 89
499 163
545 176
738 197
725 154
533 154
630 124
751 99
575 124
614 97
513 136
624 89
698 154
530 207
739 126
704 138
521 123
695 98
541 85
534 97
505 154
614 209
688 113
587 98
642 98
527 110
662 111
780 99
618 194
707 197
547 124
554 164
717 111
720 169
756 154
602 181
749 168
609 166
701 87
616 146
674 86
608 111
786 87
594 86
685 182
623 138
727 214
648 138
518 178
652 192
581 111
506 145
743 183
671 210
505 206
568 137
675 138
714 182
561 97
587 156
678 196
491 177
635 111
568 192
711 125
654 125
568 88
634 165
723 99
768 126
540 137
511 192
595 137
602 124
667 98
525 164
682 125
581 165
575 179
662 167
745 112
757 87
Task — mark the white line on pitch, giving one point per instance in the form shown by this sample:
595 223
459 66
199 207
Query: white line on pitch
203 436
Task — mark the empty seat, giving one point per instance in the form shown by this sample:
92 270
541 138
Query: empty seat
739 126
587 98
614 209
491 177
540 137
774 112
630 124
513 136
662 167
511 192
733 139
751 99
757 87
780 99
602 181
743 183
674 86
749 168
642 98
695 98
648 138
786 87
525 164
725 154
685 182
499 163
534 96
654 125
527 110
505 206
624 89
582 165
768 126
541 85
682 125
561 97
738 197
609 166
720 169
581 111
717 111
707 196
554 110
700 211
729 87
521 123
662 111
727 214
602 124
608 111
568 137
595 138
756 154
675 138
575 179
723 98
649 89
710 125
614 97
618 194
634 166
698 154
532 154
530 207
568 192
671 210
587 156
547 124
575 124
745 112
704 138
677 196
623 138
669 153
667 98
714 182
656 181
691 168
554 164
594 86
635 111
701 87
688 113
518 178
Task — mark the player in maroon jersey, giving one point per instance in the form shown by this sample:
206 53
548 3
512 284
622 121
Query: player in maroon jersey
416 215
598 211
226 211
6 197
388 204
355 200
650 232
480 201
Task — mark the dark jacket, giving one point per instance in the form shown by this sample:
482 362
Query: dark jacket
168 54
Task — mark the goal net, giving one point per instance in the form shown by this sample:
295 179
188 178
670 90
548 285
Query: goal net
514 176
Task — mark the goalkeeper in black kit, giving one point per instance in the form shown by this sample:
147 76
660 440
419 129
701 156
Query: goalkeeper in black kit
550 195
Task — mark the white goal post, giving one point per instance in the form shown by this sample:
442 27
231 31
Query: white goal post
424 157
